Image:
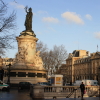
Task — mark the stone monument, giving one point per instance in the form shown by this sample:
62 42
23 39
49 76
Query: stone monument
28 65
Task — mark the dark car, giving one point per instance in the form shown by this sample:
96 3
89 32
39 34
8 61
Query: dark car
24 85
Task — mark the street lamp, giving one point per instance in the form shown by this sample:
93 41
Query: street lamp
9 65
1 74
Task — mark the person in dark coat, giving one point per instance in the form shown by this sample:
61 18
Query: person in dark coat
82 87
70 82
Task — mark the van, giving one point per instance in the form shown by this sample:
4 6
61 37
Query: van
86 82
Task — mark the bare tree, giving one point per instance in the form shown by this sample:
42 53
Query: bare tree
57 57
41 47
7 23
54 58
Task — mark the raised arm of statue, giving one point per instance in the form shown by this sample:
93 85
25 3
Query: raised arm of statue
28 21
26 9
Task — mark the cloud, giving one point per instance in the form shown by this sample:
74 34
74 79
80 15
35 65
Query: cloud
97 35
16 5
72 17
50 28
88 16
50 19
42 12
38 33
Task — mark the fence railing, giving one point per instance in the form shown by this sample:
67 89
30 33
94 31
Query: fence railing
63 91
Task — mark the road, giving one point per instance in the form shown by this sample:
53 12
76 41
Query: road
13 94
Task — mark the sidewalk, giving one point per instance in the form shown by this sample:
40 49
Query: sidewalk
85 98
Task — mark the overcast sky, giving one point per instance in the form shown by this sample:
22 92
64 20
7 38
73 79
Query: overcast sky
73 23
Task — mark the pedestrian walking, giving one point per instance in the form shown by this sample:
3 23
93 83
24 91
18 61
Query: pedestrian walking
70 82
82 87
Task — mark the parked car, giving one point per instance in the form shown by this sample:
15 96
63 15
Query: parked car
4 86
24 85
44 83
68 84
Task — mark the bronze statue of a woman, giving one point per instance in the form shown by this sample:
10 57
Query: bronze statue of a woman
28 21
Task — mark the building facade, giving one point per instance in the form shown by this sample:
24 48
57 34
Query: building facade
81 65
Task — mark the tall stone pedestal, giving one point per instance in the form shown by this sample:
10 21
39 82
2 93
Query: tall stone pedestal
28 66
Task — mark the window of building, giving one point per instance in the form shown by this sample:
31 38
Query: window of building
21 74
13 74
39 74
31 74
44 75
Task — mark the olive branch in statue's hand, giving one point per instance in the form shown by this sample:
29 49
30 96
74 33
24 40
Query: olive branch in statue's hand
26 8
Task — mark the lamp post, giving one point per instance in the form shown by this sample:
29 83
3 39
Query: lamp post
8 73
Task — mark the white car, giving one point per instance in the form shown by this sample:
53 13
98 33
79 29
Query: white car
4 86
43 83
